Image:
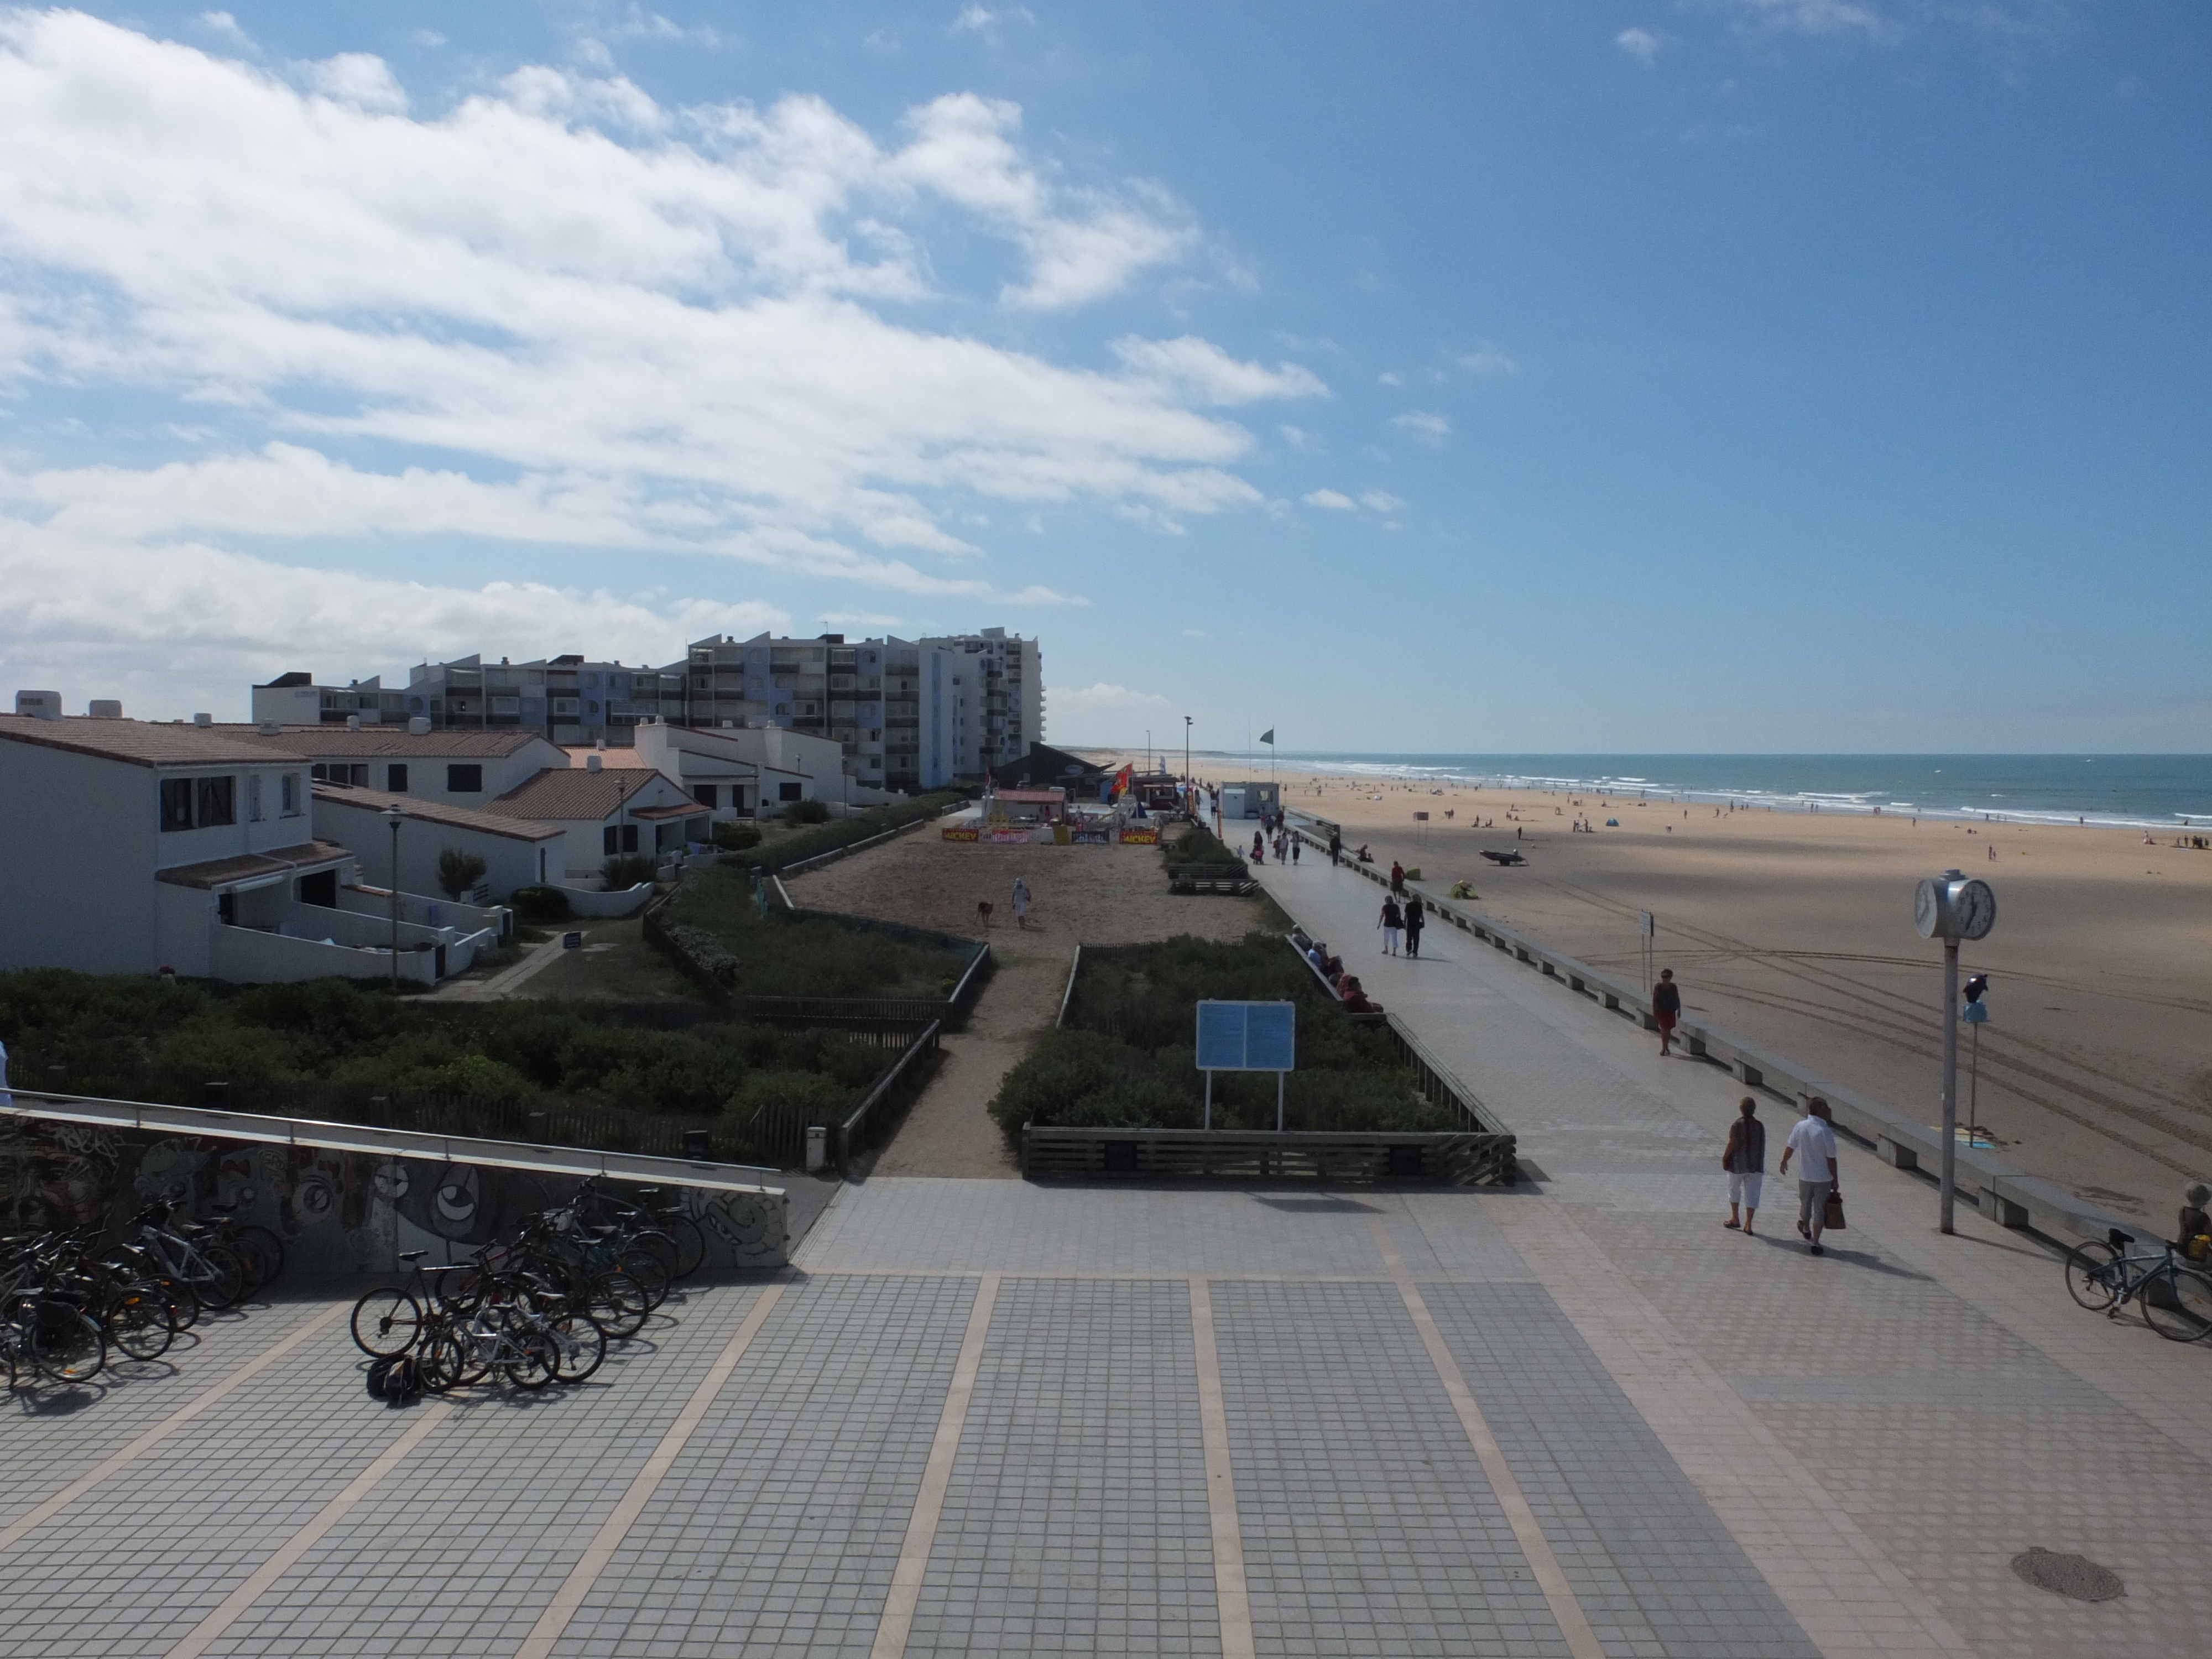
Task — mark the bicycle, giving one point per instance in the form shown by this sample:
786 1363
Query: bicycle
507 1330
212 1268
389 1321
2176 1300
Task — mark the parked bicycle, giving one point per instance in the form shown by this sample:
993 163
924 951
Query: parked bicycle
2176 1299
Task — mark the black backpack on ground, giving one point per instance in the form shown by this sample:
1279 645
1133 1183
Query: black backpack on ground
395 1381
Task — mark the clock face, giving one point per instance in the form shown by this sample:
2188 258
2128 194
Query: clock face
1928 907
1974 908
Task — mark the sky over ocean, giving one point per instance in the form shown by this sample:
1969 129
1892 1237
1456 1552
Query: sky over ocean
1694 375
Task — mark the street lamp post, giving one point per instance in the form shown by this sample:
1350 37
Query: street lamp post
392 816
1951 908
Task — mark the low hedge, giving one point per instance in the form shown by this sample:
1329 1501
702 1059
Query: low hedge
802 844
1127 1058
1199 845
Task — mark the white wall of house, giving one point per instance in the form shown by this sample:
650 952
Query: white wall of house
432 771
82 835
510 861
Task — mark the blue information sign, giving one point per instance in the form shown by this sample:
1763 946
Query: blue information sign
1246 1036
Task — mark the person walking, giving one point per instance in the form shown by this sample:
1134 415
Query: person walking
1294 852
1389 921
1415 919
1397 877
1021 902
1745 1160
1666 1009
1813 1144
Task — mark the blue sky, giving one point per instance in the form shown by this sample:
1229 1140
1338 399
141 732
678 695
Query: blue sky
1693 375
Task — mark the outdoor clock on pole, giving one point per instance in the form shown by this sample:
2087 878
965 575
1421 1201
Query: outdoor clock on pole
1951 908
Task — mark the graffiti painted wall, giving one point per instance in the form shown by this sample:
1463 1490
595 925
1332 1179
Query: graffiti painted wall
338 1214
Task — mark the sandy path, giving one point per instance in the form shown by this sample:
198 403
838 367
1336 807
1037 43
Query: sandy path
1082 895
1796 930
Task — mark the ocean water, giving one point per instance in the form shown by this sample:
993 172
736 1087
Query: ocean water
2153 792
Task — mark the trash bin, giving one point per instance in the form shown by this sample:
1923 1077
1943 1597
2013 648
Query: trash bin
817 1146
698 1145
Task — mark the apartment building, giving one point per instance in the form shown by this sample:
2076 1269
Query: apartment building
909 714
565 699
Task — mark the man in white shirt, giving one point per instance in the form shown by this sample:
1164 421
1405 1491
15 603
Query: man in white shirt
1812 1143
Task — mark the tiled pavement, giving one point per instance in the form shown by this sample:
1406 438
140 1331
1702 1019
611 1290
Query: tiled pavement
1578 1419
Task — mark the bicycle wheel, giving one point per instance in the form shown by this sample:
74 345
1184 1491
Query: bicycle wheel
137 1322
443 1357
616 1303
386 1323
251 1262
536 1361
271 1246
221 1279
2091 1278
690 1245
651 1277
580 1346
66 1345
2177 1303
660 1246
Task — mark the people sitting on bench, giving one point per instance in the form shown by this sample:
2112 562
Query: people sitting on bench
1353 997
1364 855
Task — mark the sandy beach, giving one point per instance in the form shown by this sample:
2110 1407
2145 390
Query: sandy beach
1796 930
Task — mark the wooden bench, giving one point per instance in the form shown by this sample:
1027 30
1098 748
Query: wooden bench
1233 880
1375 1019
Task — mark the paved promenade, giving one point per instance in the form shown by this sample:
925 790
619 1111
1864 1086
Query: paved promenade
1578 1418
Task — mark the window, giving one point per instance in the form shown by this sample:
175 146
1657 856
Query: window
290 795
395 777
610 841
465 780
788 791
706 794
630 838
214 801
176 803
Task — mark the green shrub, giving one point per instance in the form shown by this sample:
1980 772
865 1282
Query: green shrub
807 812
734 838
714 921
541 904
791 848
625 871
818 1098
458 872
1198 845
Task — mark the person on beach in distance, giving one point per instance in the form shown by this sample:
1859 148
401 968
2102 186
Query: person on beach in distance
1745 1160
1414 921
1389 921
1666 1008
1812 1143
1021 902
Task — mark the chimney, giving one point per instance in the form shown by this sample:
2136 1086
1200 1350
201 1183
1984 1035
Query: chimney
104 708
592 763
600 744
352 722
204 720
40 705
419 726
272 728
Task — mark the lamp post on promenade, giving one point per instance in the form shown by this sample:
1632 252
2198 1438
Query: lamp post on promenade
392 816
1186 756
1950 908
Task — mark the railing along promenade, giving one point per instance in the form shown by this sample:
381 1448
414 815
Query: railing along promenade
2006 1195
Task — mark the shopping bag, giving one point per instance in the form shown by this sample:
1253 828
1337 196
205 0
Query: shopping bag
1832 1218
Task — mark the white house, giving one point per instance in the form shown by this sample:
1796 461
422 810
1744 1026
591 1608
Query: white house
459 769
607 812
516 852
139 847
742 771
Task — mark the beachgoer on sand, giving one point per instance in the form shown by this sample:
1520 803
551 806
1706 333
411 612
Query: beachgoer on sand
1021 902
1745 1160
1414 921
1666 1008
1390 921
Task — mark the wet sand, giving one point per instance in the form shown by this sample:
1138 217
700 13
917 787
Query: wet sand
1796 930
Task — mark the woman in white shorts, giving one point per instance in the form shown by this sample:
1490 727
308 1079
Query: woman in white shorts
1745 1160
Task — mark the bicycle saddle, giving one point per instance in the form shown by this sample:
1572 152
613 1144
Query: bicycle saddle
441 1266
412 1256
2118 1240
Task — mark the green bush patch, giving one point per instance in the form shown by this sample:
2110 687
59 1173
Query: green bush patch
714 921
786 850
1127 1058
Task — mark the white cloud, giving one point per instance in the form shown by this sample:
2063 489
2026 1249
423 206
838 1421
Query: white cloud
1815 17
1105 712
1639 44
223 23
1390 377
1485 360
1334 501
426 38
986 20
1381 500
1196 634
360 79
1300 438
1431 428
615 325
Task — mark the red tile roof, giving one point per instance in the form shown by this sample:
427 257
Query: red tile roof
432 811
138 742
281 860
315 742
568 794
